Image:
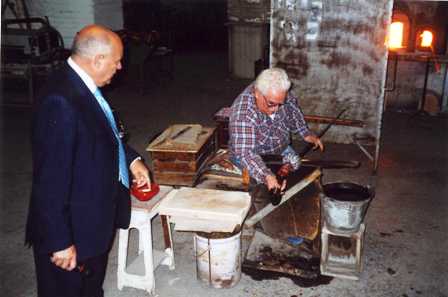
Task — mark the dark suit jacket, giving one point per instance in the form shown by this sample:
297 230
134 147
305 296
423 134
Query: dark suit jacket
76 196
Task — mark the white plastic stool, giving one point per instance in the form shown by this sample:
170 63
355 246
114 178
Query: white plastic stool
341 254
140 273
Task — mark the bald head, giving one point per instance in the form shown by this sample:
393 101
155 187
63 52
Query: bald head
98 51
93 40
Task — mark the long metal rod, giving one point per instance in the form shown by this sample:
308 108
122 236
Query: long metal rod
421 108
425 84
371 158
443 86
309 146
326 120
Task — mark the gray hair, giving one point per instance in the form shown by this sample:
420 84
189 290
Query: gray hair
274 79
90 46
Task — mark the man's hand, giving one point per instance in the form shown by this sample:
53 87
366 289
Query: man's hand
314 140
65 259
272 183
140 174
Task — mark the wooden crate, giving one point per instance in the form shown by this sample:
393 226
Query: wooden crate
180 164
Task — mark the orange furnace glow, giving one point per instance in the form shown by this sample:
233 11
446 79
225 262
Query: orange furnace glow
395 36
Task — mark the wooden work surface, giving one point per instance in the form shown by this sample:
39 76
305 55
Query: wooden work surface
205 210
298 216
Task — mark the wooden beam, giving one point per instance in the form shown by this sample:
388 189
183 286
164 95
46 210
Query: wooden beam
290 193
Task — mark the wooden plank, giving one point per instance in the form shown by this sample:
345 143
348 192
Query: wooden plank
299 216
175 178
174 155
166 231
174 165
290 193
206 204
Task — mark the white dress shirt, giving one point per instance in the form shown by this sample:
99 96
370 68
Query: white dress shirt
89 83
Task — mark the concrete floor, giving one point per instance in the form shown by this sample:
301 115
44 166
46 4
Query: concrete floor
406 243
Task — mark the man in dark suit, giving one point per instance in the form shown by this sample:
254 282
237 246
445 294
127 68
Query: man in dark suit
80 191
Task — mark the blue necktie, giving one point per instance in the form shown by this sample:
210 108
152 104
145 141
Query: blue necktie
123 168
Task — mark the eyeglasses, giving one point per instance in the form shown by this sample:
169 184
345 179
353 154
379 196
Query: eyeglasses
271 104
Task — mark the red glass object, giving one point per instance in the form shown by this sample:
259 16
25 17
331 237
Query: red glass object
142 193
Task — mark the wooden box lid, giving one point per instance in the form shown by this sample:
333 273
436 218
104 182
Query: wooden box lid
181 138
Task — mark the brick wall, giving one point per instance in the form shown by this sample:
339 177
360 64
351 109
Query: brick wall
68 16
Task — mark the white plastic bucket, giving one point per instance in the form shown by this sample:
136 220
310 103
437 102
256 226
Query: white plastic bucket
218 261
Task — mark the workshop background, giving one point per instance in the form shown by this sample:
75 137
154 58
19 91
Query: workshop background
339 56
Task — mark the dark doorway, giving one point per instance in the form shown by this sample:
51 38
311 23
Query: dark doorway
192 25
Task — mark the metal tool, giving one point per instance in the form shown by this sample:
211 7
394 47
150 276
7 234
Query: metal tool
325 164
331 164
309 146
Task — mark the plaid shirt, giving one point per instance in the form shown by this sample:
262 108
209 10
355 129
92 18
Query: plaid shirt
253 133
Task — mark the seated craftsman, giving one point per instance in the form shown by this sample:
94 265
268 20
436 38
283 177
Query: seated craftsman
261 120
